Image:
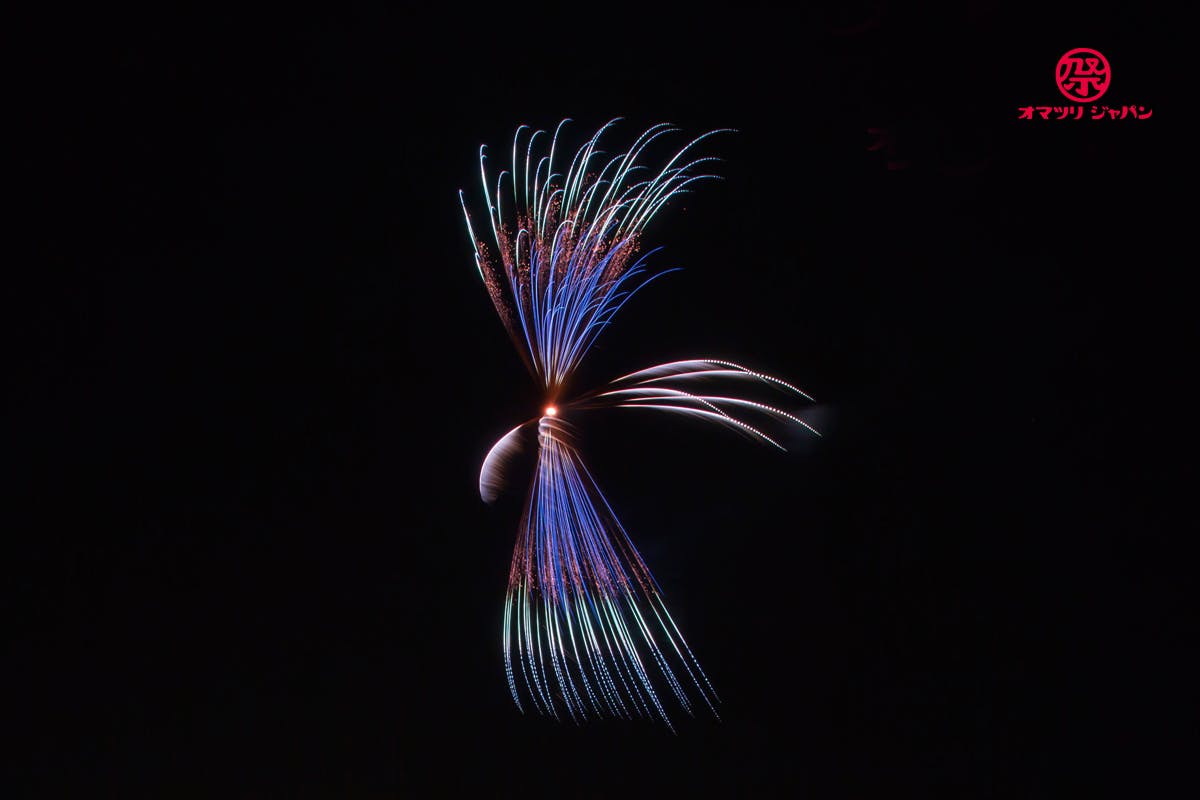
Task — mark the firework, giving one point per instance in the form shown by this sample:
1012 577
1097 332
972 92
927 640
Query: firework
586 631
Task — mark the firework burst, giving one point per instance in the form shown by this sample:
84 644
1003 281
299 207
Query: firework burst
586 630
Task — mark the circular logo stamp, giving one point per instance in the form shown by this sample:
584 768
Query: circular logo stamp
1082 74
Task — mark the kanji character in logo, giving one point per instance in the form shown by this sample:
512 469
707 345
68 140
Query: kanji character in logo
1083 74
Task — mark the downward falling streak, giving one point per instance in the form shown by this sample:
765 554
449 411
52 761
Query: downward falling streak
581 599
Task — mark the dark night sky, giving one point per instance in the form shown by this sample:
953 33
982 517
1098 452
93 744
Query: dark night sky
256 374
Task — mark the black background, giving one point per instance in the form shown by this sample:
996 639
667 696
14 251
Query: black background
255 374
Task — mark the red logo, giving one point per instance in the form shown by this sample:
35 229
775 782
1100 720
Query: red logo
1083 74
